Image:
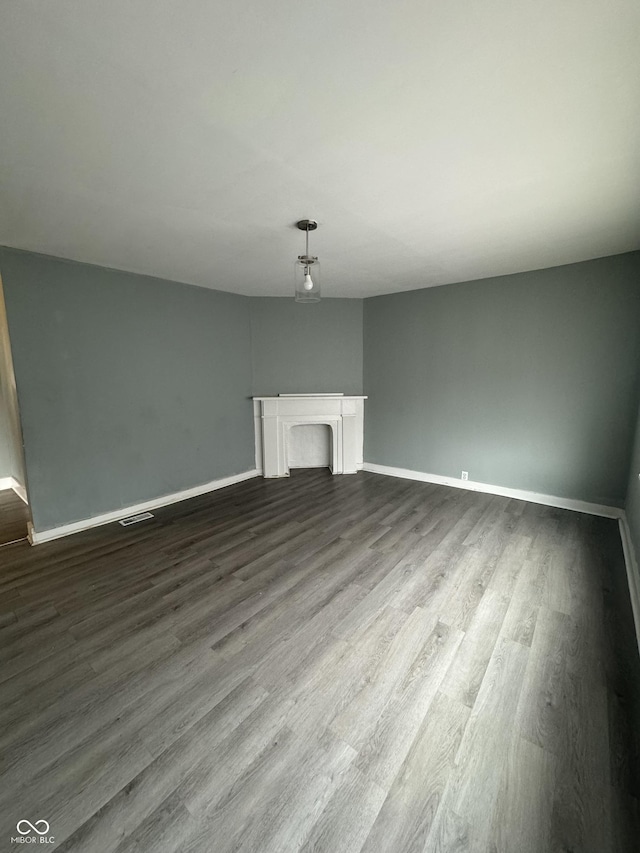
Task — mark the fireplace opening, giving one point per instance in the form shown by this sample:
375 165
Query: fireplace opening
309 446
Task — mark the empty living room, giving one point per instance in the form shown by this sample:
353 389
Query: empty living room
320 426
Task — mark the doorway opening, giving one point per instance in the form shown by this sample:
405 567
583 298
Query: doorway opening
14 506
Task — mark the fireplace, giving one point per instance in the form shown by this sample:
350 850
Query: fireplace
276 417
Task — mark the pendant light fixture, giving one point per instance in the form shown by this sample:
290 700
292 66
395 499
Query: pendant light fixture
307 269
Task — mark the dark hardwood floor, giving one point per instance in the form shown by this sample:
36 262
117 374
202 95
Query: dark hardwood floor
14 515
334 664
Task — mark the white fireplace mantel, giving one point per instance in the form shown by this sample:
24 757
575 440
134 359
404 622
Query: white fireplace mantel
275 417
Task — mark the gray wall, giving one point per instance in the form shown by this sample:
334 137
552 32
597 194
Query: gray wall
526 381
298 348
11 458
633 492
130 387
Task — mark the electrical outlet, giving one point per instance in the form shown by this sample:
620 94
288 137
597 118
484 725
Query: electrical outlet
465 475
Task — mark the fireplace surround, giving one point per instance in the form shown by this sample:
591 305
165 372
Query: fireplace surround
275 417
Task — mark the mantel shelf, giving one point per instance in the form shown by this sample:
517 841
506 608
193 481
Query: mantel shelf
314 397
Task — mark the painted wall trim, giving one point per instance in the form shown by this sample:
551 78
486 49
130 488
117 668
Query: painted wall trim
20 491
36 537
12 483
633 573
518 494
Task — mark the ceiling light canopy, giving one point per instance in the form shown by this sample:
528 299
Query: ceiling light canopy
307 269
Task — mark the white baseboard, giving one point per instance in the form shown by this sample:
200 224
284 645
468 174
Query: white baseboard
38 536
633 574
518 494
12 483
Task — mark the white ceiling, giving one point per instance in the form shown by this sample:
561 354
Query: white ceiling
433 141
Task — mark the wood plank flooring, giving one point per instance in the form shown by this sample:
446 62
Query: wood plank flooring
336 664
14 515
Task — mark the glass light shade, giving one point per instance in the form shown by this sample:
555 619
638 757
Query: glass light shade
307 279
